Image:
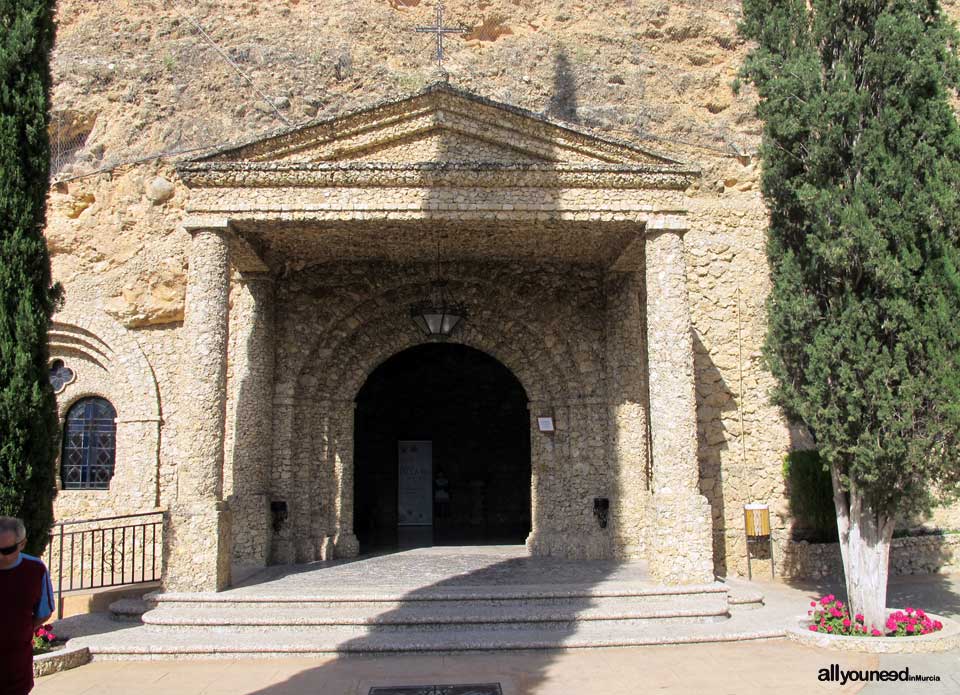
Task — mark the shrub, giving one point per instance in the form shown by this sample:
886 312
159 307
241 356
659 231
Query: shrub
810 492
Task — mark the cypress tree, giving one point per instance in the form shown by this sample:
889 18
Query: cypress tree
28 422
861 173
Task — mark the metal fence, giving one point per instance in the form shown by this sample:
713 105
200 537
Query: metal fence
105 552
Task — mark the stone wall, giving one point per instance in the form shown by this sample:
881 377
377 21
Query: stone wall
742 437
108 362
337 323
908 555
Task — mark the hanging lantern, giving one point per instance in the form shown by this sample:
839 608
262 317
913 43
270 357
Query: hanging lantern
437 317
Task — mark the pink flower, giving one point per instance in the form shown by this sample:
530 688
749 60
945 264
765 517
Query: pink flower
875 632
813 604
937 625
824 601
909 609
846 622
813 628
829 628
859 617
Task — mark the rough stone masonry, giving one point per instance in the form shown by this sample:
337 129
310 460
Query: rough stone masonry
230 303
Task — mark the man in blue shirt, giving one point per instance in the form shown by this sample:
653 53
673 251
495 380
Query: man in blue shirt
27 604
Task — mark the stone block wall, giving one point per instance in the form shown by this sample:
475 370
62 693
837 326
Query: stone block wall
929 554
337 323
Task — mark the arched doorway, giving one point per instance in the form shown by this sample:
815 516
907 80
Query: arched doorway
441 451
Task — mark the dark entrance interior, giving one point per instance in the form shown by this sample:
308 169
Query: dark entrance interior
474 411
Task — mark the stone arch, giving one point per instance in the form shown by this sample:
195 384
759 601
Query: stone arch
109 363
538 347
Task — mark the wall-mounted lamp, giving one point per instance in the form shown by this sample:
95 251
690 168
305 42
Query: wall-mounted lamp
279 512
601 510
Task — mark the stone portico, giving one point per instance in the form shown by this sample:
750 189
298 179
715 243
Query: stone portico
306 250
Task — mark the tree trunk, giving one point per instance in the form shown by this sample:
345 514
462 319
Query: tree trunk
865 547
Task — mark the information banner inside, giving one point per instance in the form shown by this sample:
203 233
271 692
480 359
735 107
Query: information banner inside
415 489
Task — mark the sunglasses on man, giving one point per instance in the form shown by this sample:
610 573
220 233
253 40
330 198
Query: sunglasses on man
10 549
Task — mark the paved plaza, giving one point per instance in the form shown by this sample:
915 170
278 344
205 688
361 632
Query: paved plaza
734 668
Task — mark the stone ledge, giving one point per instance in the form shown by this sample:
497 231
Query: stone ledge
416 594
60 660
944 640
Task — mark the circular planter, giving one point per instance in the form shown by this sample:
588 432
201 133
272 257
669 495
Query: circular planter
940 641
60 660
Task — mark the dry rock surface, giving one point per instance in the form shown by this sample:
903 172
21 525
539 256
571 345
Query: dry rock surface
135 79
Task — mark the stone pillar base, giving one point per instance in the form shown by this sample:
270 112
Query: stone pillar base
587 546
282 551
346 545
197 546
679 538
252 525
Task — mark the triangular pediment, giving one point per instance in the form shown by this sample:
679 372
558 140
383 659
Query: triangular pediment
440 125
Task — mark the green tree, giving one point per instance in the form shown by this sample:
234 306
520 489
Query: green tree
861 173
28 422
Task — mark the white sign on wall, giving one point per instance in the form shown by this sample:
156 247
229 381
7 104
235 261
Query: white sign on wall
415 488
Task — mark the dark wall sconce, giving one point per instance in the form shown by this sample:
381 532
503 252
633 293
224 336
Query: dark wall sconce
278 510
601 510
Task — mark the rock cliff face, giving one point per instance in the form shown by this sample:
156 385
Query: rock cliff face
136 79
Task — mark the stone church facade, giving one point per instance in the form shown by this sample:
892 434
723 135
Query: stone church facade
588 270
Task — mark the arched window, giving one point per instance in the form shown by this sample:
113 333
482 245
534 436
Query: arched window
89 445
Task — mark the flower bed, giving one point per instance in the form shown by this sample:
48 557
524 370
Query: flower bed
829 615
829 624
43 639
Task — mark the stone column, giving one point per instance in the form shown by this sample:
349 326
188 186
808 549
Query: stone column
282 482
253 371
627 411
678 529
341 415
197 531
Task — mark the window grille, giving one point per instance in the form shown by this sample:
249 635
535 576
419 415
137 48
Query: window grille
89 445
60 375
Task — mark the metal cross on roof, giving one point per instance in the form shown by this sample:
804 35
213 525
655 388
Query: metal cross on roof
439 30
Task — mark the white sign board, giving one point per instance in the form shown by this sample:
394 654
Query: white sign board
415 488
545 424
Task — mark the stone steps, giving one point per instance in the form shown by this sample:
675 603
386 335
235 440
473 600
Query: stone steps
129 609
534 607
141 643
240 622
417 618
531 598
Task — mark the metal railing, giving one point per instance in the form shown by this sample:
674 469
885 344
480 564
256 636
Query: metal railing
105 552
